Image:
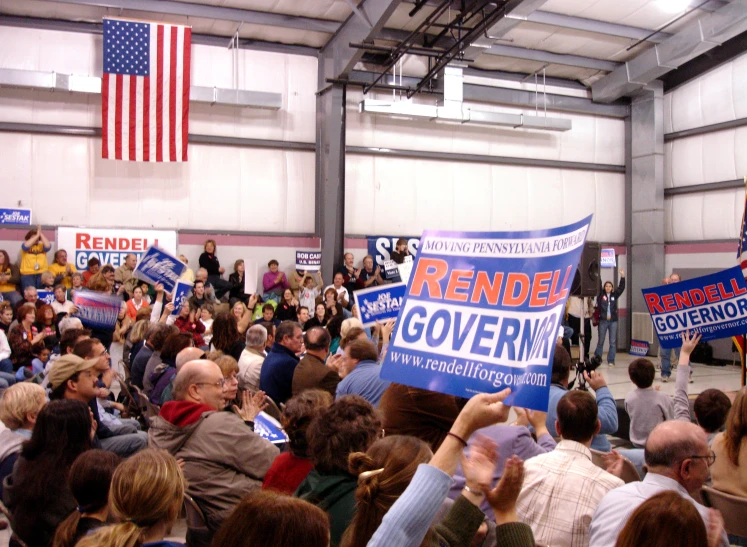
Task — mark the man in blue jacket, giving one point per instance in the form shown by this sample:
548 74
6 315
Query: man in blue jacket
276 376
561 371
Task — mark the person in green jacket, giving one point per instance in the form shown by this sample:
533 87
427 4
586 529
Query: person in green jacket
349 425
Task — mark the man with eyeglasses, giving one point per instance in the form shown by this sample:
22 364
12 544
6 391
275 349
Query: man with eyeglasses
678 458
224 460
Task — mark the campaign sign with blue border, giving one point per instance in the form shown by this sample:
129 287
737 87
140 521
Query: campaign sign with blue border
379 303
639 348
157 266
97 310
269 428
181 293
310 261
608 259
714 305
46 296
481 312
15 216
381 247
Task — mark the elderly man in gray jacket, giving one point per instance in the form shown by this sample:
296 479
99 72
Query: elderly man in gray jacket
224 460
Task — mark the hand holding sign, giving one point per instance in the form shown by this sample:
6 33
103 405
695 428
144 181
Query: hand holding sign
481 411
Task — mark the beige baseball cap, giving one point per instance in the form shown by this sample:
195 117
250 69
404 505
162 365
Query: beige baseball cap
66 366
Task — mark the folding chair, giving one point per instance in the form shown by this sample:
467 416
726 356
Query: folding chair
733 509
198 533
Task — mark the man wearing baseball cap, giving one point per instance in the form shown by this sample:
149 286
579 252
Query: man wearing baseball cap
73 377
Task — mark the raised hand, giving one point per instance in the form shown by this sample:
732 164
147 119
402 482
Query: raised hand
251 405
478 467
502 498
689 341
613 462
482 410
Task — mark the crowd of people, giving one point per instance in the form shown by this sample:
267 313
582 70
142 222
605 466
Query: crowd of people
366 461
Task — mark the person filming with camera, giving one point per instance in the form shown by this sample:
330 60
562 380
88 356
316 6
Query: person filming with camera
607 410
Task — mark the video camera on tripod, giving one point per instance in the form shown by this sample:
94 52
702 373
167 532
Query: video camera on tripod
588 365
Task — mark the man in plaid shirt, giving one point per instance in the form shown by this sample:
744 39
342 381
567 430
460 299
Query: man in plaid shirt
563 488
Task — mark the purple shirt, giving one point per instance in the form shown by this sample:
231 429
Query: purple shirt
268 282
511 439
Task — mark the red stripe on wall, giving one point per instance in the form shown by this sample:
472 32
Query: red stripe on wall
146 118
118 119
105 116
696 248
159 96
250 241
133 117
185 91
172 96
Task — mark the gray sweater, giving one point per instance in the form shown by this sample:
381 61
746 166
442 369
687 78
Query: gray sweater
647 408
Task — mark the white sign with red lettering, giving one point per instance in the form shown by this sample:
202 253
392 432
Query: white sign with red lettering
111 245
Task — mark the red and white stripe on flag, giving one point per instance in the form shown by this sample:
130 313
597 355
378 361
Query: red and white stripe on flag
146 117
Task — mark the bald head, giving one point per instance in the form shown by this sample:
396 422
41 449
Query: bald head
201 382
673 441
187 355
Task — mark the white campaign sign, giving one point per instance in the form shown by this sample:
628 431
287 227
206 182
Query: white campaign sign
111 245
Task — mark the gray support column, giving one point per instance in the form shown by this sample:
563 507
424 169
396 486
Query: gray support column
646 195
336 60
330 179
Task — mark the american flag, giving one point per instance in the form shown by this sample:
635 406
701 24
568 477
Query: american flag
145 91
742 247
740 341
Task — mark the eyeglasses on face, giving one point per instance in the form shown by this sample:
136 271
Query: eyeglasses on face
219 383
710 458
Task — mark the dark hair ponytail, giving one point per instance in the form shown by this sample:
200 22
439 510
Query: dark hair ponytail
89 480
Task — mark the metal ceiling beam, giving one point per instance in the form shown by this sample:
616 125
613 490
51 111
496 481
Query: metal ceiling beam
593 25
339 57
707 187
202 39
521 78
520 53
540 56
695 39
514 97
601 27
203 11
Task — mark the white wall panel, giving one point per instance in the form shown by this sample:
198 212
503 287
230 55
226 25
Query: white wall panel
398 195
591 140
64 181
294 76
704 216
687 161
715 97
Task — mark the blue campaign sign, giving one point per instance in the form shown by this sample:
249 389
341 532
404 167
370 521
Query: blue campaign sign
46 296
310 261
608 258
180 295
269 428
714 305
15 216
97 310
157 266
379 303
481 312
639 348
381 247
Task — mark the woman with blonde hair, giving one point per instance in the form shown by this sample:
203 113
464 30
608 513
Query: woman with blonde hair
146 495
729 471
210 262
